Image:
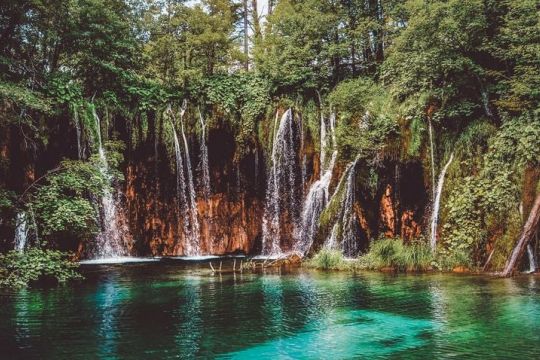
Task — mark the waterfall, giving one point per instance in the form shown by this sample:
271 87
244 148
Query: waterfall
180 183
323 139
437 203
317 197
532 260
185 187
432 153
282 195
346 227
485 102
21 231
110 240
194 246
203 165
77 122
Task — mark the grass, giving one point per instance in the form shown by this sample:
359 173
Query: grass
327 259
392 253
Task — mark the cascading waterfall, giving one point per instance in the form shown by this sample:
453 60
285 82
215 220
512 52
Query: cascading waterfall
282 194
111 239
194 246
185 188
432 153
21 231
437 203
78 131
344 232
180 183
317 197
485 103
204 168
532 260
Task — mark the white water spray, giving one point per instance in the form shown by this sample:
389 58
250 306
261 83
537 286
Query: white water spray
317 197
203 164
437 203
532 260
432 153
346 239
21 231
111 239
185 187
78 131
282 194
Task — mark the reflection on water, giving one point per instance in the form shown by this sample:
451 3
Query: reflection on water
166 311
188 317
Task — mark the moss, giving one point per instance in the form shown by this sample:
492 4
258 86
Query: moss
504 244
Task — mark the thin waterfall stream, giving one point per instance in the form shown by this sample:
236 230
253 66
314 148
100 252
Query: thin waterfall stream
344 231
317 197
532 260
110 242
203 164
432 156
282 194
185 187
21 231
437 204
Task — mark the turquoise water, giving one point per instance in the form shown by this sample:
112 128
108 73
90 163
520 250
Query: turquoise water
166 311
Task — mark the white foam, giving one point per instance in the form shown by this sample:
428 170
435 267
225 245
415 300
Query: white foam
269 257
118 260
204 257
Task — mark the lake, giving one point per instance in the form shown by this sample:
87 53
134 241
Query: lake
171 310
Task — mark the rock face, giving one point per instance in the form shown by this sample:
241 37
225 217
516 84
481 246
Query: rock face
230 217
229 226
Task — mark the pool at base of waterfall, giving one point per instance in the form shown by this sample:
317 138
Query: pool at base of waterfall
164 310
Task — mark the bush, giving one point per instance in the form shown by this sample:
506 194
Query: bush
327 259
451 260
392 253
21 269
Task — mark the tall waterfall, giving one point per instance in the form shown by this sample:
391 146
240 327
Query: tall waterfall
317 197
110 242
203 164
78 131
432 153
21 231
185 188
282 193
532 260
346 227
437 204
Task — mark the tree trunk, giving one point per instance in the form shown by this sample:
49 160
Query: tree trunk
528 232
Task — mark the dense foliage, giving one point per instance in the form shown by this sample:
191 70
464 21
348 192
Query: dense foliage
468 72
21 269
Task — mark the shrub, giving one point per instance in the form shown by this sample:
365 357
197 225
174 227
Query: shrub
327 259
21 269
392 253
447 261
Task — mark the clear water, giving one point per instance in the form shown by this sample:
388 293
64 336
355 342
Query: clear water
174 310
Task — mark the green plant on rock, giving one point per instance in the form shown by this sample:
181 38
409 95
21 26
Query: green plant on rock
21 269
367 118
63 202
482 205
328 259
394 254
